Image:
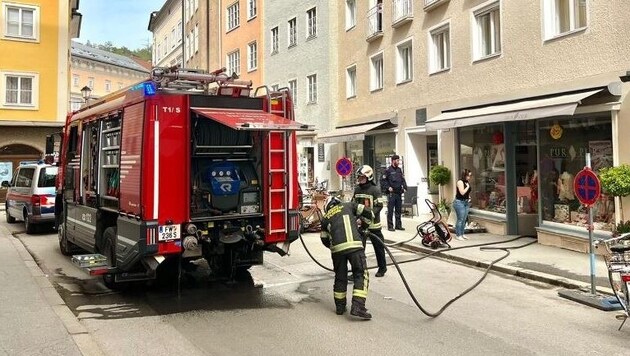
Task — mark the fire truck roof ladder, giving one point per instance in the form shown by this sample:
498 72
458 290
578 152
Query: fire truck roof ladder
188 79
276 98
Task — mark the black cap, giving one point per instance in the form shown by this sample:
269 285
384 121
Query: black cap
395 157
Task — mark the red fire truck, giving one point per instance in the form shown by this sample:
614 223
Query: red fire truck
183 166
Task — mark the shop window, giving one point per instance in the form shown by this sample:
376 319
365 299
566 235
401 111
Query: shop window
482 150
563 147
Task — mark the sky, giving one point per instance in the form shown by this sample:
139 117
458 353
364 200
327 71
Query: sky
122 22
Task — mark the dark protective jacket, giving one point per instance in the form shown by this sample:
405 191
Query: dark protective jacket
339 227
393 177
370 195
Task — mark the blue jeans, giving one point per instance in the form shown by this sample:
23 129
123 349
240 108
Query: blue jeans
461 209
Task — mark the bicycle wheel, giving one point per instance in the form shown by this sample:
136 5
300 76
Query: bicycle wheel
620 289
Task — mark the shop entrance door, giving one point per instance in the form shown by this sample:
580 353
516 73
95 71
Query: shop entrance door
525 177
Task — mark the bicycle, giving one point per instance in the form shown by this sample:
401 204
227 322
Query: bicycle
311 210
617 259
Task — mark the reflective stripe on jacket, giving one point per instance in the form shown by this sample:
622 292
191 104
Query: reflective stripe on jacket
339 227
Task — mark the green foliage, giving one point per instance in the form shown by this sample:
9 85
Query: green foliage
444 207
144 53
440 175
621 228
616 180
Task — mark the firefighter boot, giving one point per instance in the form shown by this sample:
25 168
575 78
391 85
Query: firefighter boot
341 306
358 309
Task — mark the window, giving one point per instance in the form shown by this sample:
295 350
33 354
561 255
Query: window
561 16
75 80
234 62
21 21
351 14
173 39
196 36
293 88
351 82
439 49
404 62
252 56
178 33
487 31
187 8
274 40
187 46
251 9
311 20
20 89
91 83
292 32
312 88
108 86
232 16
376 72
25 177
165 47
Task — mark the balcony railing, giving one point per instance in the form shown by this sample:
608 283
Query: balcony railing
375 22
402 12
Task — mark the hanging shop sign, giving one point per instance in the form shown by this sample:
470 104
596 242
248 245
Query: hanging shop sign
556 131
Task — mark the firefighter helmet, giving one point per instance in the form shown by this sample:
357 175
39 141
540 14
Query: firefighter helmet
367 172
330 202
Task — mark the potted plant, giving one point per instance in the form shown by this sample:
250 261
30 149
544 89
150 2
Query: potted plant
615 181
441 175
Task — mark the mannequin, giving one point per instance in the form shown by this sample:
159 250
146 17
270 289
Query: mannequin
565 186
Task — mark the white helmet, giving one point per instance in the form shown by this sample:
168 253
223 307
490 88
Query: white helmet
330 202
367 172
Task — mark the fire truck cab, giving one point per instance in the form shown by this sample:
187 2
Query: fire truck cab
183 166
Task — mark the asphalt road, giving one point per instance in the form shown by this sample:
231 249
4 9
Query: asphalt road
289 310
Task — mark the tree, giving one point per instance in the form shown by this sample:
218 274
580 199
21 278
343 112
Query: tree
144 53
616 182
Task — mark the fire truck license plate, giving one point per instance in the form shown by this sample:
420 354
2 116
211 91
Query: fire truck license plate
168 232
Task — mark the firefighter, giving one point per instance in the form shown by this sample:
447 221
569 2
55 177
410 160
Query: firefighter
368 194
340 233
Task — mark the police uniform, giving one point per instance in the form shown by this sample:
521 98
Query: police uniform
393 178
369 195
341 235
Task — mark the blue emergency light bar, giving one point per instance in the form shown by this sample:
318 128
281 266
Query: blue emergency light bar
148 88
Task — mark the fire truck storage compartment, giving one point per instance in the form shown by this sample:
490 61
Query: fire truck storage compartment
225 170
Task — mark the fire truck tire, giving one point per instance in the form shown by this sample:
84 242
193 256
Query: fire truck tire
109 251
66 247
10 219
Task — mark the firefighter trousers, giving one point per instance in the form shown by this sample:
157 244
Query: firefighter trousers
359 275
379 248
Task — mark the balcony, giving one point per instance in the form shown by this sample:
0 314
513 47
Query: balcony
375 23
402 12
432 4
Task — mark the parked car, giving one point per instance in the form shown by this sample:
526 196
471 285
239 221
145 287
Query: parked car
31 194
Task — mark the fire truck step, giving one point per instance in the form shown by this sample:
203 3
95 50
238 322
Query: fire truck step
89 260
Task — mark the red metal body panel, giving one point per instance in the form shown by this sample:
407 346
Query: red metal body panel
166 177
131 159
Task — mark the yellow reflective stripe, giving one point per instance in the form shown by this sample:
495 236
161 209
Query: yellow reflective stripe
340 295
375 226
360 208
324 235
346 245
359 293
348 228
366 282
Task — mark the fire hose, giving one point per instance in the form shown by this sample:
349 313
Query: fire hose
482 246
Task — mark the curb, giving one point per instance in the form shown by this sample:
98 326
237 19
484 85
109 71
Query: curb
80 335
504 269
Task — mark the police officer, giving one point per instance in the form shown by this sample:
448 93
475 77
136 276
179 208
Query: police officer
369 195
395 185
341 235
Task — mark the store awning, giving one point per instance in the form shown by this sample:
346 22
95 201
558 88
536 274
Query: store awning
250 120
560 105
349 133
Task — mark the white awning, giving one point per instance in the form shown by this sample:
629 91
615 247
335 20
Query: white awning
560 105
347 134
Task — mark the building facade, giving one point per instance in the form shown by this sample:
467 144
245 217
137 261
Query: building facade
517 92
202 31
103 72
34 79
300 54
167 28
240 39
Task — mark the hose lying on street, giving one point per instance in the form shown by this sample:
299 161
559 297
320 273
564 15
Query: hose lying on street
482 246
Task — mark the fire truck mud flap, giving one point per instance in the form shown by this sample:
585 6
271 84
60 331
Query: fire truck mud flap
134 244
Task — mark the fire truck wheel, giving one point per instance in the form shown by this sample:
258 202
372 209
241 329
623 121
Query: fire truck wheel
109 251
66 247
10 219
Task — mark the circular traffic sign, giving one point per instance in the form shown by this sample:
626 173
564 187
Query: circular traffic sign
587 186
343 167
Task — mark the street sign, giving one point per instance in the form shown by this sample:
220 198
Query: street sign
343 167
587 186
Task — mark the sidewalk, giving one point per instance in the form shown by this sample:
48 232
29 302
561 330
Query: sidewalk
552 265
34 320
